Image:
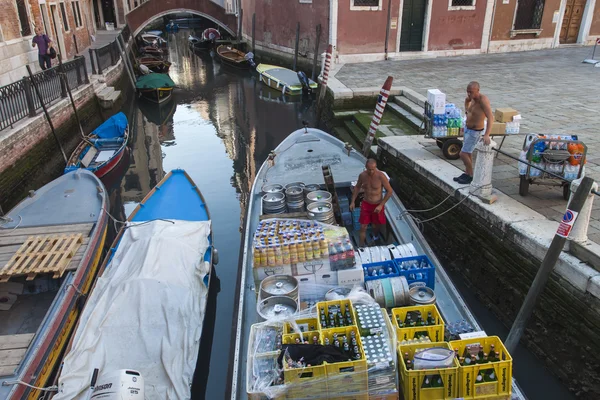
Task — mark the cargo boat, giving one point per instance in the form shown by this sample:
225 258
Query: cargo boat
300 158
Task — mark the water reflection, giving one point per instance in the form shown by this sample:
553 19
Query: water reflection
219 126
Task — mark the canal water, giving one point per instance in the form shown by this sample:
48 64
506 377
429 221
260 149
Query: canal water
220 126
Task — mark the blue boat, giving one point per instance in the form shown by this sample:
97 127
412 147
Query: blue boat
103 149
143 321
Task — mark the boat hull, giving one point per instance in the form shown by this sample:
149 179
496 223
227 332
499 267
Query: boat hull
100 170
159 95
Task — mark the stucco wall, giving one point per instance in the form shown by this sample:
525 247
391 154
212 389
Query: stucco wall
456 29
504 16
595 27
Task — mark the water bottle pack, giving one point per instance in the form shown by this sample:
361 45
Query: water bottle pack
417 269
513 127
571 172
380 270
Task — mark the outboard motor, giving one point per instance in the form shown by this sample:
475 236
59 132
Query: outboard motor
304 82
124 384
250 58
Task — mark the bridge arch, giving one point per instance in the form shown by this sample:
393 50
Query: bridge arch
151 10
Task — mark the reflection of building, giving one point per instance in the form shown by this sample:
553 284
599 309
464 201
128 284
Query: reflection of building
146 168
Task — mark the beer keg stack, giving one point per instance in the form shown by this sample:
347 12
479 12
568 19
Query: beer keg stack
294 195
298 197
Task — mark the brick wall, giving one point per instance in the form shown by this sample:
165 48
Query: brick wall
563 331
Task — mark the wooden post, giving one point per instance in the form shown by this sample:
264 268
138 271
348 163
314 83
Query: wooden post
240 25
37 92
253 32
556 247
316 57
63 76
323 87
377 114
297 43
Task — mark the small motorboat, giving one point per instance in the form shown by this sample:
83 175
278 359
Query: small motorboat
155 87
51 244
143 320
154 64
285 80
206 40
235 58
102 150
153 40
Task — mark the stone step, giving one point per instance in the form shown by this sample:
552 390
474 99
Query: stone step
98 86
414 97
105 93
410 106
114 96
354 130
406 116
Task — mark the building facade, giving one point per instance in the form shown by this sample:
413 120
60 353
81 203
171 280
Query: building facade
362 30
68 23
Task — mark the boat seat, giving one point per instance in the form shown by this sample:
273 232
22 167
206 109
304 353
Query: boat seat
89 157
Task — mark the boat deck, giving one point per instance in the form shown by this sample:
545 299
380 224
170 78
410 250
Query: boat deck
12 350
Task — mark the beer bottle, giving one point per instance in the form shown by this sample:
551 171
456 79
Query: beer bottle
336 343
315 340
481 353
407 320
497 357
297 340
326 341
426 382
356 353
430 319
437 382
479 378
406 357
346 347
409 365
485 359
461 360
492 353
491 377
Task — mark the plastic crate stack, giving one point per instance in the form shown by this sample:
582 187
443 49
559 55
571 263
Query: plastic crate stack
263 380
374 327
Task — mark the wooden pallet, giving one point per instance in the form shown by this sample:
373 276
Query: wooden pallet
12 351
42 254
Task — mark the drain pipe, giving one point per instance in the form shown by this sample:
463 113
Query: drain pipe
387 28
487 50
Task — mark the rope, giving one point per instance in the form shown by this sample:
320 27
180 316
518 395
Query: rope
48 389
6 220
115 221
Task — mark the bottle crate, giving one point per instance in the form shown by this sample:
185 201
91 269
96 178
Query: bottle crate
427 384
264 367
305 383
425 275
436 333
500 386
386 265
304 324
323 308
309 335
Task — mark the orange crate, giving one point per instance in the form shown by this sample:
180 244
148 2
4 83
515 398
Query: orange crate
469 387
435 332
291 338
304 324
323 308
416 384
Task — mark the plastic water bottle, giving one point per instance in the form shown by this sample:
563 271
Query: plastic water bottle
523 166
349 253
333 257
341 254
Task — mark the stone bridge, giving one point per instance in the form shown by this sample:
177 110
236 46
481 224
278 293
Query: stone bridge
146 12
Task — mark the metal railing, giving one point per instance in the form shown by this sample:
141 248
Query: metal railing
18 99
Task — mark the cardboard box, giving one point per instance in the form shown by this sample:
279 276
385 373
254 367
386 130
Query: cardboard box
261 273
498 128
321 265
306 280
505 114
327 278
437 100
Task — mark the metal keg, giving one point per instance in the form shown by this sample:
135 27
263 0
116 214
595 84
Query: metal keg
277 307
389 292
273 203
294 196
336 292
311 188
279 285
272 188
301 184
403 250
318 196
322 212
421 295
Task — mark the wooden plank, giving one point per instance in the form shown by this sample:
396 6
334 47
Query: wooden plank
5 257
8 342
12 356
297 215
8 370
47 230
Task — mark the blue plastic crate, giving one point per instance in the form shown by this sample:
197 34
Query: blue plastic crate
368 268
425 275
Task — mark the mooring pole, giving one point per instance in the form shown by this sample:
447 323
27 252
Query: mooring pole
253 32
316 57
323 87
126 63
384 93
37 92
297 43
556 247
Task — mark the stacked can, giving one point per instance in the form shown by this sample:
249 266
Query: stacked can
377 348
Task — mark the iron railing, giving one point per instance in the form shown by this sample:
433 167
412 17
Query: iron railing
18 99
366 3
529 14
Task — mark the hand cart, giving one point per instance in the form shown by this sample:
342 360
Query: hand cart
451 145
555 155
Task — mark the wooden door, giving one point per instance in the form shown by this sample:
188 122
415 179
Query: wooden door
572 21
413 22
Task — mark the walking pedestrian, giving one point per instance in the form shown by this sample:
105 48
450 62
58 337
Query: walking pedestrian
44 43
477 110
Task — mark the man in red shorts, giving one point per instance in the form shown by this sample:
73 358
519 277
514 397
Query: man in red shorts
372 211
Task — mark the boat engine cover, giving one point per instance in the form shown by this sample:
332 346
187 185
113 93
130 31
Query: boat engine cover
123 384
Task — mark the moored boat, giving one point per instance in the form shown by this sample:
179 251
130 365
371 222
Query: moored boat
102 150
150 39
206 40
306 158
155 87
50 248
234 57
285 80
144 317
154 64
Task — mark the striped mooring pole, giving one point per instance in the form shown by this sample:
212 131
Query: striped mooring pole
323 88
384 93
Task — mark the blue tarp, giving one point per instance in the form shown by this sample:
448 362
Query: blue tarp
112 127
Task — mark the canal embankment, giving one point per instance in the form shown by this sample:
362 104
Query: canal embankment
29 146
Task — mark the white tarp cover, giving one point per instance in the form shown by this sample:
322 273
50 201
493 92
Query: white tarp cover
145 313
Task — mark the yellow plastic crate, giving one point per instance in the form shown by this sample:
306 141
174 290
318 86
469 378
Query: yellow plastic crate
390 396
305 383
303 323
413 381
291 338
325 306
469 388
435 332
275 392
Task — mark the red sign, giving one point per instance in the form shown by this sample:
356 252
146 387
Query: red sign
565 226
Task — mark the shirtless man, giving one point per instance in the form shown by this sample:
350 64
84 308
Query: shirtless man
477 109
373 181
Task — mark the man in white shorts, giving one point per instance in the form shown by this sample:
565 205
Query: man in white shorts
477 109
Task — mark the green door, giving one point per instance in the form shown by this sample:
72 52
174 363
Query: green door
413 21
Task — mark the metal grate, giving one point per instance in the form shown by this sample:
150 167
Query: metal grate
366 3
23 18
463 3
529 14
